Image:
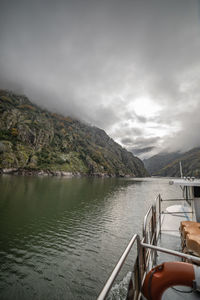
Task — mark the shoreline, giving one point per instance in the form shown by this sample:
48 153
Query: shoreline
57 173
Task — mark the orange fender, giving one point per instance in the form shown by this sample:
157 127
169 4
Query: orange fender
166 275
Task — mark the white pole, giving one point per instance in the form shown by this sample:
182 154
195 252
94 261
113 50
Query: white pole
181 171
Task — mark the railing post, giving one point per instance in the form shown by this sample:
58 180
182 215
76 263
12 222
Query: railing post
154 233
151 240
159 207
140 263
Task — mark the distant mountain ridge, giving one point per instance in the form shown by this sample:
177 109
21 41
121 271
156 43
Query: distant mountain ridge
159 161
167 164
33 139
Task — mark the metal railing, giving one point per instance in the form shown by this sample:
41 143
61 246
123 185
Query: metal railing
152 222
146 252
118 267
187 257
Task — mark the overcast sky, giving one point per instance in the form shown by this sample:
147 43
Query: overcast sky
131 67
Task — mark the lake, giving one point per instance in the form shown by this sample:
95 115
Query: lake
60 238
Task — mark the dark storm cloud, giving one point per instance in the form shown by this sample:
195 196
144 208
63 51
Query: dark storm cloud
142 142
140 145
139 151
130 135
92 59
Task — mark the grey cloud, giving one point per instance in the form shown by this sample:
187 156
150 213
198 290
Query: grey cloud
142 142
135 131
138 151
134 116
141 145
127 134
190 137
103 116
92 59
127 141
142 119
144 147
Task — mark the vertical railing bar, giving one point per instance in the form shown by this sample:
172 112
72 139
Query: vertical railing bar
139 263
159 207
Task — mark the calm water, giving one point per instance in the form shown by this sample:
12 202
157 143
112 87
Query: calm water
60 238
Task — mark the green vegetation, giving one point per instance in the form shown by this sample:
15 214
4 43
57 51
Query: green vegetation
35 139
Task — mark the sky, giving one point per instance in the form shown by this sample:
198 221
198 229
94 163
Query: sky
130 67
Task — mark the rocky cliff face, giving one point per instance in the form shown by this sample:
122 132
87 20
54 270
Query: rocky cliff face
33 139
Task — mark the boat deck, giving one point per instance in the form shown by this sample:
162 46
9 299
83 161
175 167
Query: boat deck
170 235
170 238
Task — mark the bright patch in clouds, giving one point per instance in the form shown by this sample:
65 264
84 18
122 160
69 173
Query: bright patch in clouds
146 107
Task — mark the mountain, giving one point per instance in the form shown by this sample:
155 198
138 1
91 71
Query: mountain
34 140
168 164
159 161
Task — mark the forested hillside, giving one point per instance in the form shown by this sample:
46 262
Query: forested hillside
35 140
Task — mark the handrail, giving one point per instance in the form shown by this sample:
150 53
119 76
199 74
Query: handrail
172 252
117 268
179 199
176 212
